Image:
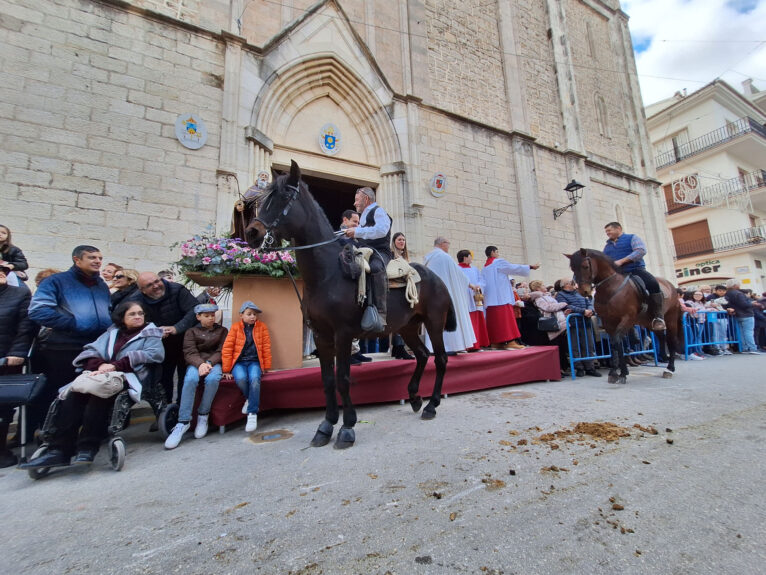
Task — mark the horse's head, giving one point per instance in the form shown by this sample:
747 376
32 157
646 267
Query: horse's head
584 268
273 213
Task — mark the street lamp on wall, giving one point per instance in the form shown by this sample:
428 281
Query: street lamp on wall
574 192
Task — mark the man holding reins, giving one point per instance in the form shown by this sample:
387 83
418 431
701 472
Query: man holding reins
628 251
374 231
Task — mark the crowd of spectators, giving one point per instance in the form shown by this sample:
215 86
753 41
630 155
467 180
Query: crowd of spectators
108 318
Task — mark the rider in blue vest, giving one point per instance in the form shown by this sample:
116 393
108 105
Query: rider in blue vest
628 251
374 231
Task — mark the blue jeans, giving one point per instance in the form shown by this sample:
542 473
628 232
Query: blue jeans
247 376
746 327
191 380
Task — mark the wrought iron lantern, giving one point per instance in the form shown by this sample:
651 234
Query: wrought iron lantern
574 192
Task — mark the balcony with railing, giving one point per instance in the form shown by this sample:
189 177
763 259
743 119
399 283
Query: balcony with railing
729 241
710 140
733 193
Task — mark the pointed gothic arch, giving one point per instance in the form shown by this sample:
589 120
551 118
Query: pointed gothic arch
302 82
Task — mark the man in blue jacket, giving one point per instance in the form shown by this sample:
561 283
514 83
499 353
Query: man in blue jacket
74 306
628 251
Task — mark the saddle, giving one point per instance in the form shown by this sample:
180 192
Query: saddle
643 292
402 275
640 285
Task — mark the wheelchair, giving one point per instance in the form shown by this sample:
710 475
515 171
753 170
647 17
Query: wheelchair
153 394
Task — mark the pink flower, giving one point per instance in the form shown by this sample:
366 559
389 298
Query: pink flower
246 260
206 260
225 257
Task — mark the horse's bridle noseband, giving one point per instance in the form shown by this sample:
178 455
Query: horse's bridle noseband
607 278
268 239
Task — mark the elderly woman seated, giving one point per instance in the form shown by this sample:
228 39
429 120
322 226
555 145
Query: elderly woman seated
127 349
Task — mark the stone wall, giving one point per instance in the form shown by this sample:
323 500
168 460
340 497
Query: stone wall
543 106
90 95
480 206
597 74
465 60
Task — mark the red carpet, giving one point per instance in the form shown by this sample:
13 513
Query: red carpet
386 381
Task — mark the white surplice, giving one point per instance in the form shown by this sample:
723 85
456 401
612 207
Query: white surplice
439 262
497 277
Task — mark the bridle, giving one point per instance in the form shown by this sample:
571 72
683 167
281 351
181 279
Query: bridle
603 281
267 245
268 239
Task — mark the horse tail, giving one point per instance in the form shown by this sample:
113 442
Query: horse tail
451 324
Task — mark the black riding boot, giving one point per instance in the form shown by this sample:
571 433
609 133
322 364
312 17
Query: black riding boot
380 292
655 311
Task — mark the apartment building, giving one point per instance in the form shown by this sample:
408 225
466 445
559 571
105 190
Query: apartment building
710 155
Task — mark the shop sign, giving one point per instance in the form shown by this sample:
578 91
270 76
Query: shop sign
699 269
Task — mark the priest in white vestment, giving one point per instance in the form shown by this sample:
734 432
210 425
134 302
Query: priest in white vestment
475 285
499 299
439 262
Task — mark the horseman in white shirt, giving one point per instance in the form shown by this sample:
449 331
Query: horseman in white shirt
499 299
374 231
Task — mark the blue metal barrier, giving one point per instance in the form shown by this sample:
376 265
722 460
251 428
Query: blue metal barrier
709 328
582 342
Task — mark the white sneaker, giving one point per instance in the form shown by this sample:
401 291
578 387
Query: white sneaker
244 407
252 422
727 352
753 352
176 435
201 430
696 357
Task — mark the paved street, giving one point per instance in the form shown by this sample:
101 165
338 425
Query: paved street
480 489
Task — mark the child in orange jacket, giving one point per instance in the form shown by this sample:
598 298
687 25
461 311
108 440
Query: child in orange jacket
246 355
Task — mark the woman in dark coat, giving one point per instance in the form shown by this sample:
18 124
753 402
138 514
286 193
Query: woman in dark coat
16 334
124 282
11 256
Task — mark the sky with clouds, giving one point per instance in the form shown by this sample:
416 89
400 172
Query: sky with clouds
689 43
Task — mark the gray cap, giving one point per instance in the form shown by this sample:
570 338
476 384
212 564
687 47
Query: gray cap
249 305
205 307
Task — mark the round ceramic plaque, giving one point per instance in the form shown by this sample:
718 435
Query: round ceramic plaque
191 131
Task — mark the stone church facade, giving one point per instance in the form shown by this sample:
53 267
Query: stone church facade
502 102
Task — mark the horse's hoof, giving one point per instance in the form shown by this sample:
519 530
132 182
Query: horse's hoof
416 404
667 374
428 413
345 439
612 378
323 435
622 379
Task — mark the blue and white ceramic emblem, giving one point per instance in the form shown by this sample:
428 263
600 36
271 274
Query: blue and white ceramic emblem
329 139
191 131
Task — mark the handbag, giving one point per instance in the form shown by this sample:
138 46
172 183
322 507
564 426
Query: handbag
548 323
371 320
105 384
20 389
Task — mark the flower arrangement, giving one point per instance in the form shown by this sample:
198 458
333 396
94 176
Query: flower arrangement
231 256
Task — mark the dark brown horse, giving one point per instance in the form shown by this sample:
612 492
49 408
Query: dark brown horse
287 210
619 305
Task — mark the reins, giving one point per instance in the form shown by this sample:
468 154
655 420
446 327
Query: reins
607 278
268 240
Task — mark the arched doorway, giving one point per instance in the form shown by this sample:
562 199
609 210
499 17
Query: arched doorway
334 196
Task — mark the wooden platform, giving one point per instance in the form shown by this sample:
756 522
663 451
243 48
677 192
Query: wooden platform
386 381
